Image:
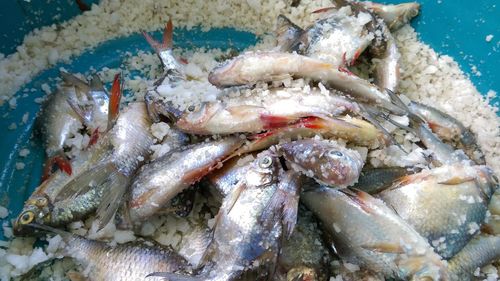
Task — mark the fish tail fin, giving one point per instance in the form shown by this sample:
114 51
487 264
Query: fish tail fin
370 115
73 80
60 160
114 189
167 42
176 276
114 101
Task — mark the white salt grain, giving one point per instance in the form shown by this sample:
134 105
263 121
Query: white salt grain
489 37
4 212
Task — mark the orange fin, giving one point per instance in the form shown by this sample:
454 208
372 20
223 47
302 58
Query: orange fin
114 101
63 163
322 10
167 38
47 169
360 197
385 247
457 180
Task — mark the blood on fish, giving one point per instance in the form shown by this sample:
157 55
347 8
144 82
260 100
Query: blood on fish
63 164
273 122
94 137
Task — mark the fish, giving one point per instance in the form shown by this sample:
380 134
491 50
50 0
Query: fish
446 205
450 129
368 233
304 255
374 180
480 251
119 153
246 115
156 183
241 241
52 268
172 69
56 123
394 16
129 261
252 67
336 38
326 161
353 130
386 63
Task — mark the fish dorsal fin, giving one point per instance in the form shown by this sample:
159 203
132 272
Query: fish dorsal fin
114 101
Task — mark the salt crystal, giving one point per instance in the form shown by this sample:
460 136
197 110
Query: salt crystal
489 37
4 212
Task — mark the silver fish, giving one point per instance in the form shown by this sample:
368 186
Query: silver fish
449 129
119 153
159 181
241 241
252 67
446 205
368 233
131 261
325 161
255 115
480 251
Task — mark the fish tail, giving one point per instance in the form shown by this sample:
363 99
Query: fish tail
114 189
114 101
167 42
480 251
176 276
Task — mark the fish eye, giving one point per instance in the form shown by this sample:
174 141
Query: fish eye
41 202
265 162
27 217
335 153
191 108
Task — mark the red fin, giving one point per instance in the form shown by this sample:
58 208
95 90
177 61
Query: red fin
82 6
322 10
345 70
183 60
272 122
114 101
355 57
94 137
167 38
311 123
260 136
63 164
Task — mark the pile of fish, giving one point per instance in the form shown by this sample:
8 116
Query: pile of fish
277 161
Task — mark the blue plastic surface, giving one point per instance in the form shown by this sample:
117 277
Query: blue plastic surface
457 28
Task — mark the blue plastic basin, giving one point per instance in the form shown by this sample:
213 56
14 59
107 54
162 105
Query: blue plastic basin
457 28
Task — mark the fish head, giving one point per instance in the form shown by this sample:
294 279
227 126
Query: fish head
326 161
35 210
196 117
264 170
229 73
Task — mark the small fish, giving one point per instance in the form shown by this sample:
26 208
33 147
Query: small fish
246 115
56 123
368 233
336 38
130 261
446 205
158 182
374 180
480 251
387 63
394 16
241 241
353 130
252 67
304 256
449 129
325 161
119 153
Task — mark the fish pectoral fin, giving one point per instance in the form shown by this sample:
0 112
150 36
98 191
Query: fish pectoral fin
85 181
176 276
385 247
282 206
82 112
76 276
114 189
457 179
114 101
